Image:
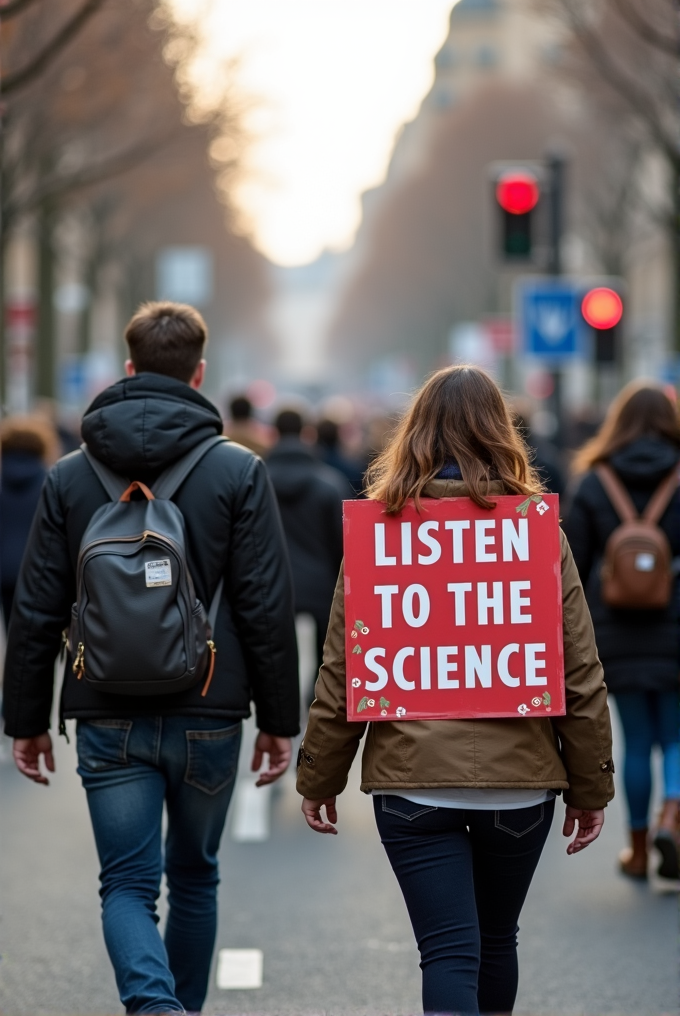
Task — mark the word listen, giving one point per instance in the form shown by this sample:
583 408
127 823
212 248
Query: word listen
515 540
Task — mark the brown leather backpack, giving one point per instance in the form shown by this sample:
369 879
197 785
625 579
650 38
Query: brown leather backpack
636 571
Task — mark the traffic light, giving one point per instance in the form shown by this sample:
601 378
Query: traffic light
517 194
602 309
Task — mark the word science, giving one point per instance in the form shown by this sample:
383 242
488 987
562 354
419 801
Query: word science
455 611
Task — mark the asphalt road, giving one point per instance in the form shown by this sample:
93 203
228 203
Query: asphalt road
325 912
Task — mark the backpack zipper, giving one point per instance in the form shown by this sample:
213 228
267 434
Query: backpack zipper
139 538
79 662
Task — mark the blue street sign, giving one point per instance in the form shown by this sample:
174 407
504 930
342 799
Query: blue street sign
549 318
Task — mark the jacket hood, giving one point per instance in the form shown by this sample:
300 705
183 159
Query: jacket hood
645 462
21 469
142 424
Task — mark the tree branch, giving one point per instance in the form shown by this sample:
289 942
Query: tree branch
648 33
115 165
52 49
9 8
621 83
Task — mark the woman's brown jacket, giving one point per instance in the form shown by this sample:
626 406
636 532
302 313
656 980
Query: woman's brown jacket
572 752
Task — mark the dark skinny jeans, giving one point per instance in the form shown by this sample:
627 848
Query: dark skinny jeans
464 876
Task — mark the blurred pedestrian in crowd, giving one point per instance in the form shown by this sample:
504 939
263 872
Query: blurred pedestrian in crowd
545 456
639 648
310 496
464 807
244 428
330 451
142 749
29 446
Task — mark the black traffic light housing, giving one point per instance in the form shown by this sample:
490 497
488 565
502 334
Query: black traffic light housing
517 193
602 309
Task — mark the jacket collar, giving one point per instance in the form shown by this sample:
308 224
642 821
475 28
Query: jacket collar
457 488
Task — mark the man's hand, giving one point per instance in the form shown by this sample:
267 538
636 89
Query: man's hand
280 751
589 827
312 812
27 752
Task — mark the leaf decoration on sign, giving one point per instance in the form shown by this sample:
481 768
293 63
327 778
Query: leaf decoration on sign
357 649
524 507
359 625
363 704
384 704
546 698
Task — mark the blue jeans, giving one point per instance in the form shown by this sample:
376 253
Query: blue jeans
464 876
649 718
129 769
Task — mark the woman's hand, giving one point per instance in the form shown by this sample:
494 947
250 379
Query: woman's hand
589 827
312 812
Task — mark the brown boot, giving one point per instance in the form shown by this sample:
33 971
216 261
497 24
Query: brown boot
633 860
666 840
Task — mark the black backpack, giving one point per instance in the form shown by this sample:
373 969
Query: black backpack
136 626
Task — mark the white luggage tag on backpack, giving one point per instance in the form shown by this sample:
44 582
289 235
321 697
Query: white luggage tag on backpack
158 573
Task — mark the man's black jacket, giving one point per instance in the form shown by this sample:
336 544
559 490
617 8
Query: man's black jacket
138 427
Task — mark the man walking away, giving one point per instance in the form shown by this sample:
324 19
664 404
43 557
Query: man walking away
310 496
139 750
244 428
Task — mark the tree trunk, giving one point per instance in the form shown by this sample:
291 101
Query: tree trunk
45 338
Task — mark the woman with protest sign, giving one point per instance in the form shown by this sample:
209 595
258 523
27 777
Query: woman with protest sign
463 806
630 486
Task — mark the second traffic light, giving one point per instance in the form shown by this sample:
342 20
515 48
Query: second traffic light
602 309
517 193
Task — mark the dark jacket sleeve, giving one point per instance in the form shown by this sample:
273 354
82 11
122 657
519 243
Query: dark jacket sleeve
259 587
579 528
41 611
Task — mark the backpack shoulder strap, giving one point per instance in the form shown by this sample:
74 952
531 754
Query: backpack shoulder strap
113 484
617 493
660 498
172 478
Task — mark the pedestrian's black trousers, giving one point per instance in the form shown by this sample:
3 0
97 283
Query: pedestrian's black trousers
464 876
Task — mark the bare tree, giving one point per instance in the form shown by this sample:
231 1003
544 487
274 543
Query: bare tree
104 127
624 53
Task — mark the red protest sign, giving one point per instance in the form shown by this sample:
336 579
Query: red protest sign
454 612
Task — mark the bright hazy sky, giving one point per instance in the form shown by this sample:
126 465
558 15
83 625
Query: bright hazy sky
334 80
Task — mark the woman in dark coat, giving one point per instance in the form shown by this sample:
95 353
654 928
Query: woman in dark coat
29 444
640 649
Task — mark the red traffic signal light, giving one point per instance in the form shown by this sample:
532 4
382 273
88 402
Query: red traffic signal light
517 191
602 308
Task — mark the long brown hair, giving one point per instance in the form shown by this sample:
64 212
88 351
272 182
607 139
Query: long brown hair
641 409
458 413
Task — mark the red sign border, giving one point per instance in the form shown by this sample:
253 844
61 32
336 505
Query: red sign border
555 709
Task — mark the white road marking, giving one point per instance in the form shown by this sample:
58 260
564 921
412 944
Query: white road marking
305 630
239 969
252 812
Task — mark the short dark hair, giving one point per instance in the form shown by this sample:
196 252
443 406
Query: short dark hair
167 338
240 408
289 422
328 433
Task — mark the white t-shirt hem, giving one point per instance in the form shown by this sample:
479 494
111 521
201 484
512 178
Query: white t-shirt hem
474 798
